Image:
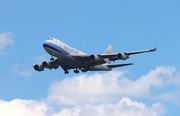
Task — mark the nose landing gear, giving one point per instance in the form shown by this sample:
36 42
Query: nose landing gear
52 57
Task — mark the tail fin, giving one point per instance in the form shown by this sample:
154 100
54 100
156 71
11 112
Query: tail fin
108 51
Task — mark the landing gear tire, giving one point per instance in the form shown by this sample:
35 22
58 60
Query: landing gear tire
66 72
76 71
84 70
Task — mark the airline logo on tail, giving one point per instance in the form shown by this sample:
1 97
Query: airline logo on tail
108 51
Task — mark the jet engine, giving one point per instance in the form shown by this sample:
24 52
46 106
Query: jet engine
122 56
94 58
38 67
46 64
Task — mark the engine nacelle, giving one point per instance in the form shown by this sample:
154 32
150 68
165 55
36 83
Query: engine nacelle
38 67
122 56
46 64
94 58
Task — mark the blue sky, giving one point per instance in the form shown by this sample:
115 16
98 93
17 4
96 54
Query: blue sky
150 87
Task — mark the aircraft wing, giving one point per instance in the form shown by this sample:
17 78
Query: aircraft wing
142 51
99 58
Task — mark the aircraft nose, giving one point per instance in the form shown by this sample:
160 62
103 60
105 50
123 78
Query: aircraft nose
45 44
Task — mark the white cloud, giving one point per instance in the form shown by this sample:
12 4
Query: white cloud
20 107
104 94
124 107
84 88
5 40
107 87
24 72
171 96
171 89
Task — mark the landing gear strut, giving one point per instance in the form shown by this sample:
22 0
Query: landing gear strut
84 69
66 71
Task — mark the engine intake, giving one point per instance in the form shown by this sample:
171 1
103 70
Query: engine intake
94 58
46 64
122 56
38 67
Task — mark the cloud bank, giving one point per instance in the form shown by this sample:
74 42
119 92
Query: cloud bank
108 87
105 94
5 40
124 107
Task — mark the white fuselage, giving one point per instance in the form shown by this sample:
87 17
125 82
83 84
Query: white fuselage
64 53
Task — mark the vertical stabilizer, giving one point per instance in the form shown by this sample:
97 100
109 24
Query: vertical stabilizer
108 51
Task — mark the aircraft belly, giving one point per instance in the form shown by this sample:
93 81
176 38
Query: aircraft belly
70 61
65 58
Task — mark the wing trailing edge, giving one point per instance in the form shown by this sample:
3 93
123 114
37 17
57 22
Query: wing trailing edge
118 65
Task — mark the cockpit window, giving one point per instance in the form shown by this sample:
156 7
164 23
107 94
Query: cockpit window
50 38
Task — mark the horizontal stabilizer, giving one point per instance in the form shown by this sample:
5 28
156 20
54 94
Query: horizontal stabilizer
153 49
118 65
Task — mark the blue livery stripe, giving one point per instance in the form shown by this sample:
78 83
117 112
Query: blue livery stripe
55 48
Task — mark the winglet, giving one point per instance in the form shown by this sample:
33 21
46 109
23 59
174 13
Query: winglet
153 49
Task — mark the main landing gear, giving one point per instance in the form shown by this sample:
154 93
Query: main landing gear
83 70
76 71
66 72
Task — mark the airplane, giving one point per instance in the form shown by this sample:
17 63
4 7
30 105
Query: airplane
69 58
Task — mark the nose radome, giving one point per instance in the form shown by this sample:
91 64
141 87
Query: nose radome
44 44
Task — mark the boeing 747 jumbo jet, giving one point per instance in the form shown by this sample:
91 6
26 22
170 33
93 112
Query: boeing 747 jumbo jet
68 58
